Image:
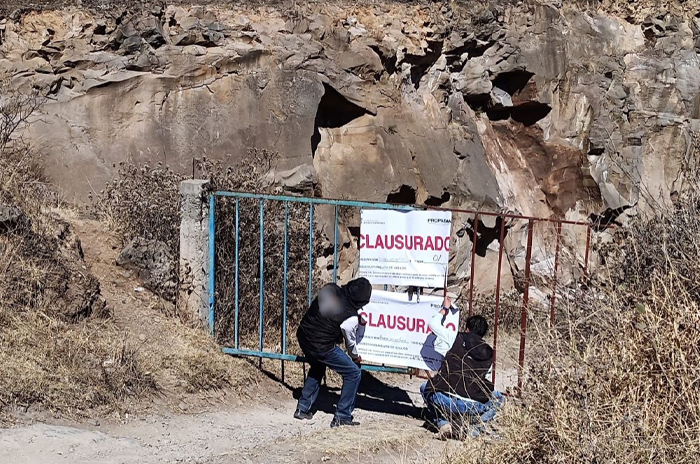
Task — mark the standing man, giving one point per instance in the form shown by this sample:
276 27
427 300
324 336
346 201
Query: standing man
331 318
460 389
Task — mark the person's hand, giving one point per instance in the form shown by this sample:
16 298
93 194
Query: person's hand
358 360
446 303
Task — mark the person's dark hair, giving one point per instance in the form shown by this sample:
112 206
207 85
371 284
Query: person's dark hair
477 325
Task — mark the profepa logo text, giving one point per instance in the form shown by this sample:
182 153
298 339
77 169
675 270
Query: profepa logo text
439 221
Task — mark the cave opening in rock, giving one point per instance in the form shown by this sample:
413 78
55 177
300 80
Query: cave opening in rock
498 114
334 110
405 195
478 102
438 201
595 150
389 62
473 48
421 64
513 82
529 113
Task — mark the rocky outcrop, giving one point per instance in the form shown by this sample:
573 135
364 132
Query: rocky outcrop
528 107
45 266
11 218
154 265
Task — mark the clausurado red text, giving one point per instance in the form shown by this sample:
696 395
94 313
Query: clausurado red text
405 242
397 322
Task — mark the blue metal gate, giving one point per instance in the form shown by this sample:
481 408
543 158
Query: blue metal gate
286 200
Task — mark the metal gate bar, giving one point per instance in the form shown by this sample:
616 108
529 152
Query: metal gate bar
554 277
284 283
237 270
312 202
212 264
526 301
473 265
262 273
335 247
497 310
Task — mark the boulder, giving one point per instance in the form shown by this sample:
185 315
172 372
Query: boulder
154 263
472 80
11 218
300 179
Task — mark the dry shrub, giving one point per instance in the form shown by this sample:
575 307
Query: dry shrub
143 201
616 379
510 308
198 363
22 181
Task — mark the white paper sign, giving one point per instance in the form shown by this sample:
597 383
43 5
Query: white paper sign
405 247
395 331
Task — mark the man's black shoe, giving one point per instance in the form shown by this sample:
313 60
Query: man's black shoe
340 422
303 415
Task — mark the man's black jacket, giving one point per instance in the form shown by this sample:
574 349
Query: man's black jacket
463 371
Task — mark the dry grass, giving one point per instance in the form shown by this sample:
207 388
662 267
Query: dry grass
67 368
616 380
193 361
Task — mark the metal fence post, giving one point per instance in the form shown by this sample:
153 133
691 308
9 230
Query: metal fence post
472 270
311 253
554 277
212 261
586 258
284 284
335 246
526 300
236 314
262 273
498 300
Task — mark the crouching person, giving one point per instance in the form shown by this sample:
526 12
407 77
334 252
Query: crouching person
460 392
331 319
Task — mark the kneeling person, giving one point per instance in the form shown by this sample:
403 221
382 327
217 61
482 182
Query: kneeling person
460 388
331 318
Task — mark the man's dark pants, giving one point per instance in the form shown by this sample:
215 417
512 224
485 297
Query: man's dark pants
337 360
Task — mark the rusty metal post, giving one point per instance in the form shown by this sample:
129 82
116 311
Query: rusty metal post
471 276
588 252
498 300
552 301
526 299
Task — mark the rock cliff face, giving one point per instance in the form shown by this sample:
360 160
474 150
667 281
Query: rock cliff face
539 109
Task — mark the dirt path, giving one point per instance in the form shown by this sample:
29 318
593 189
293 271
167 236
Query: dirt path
257 434
251 426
